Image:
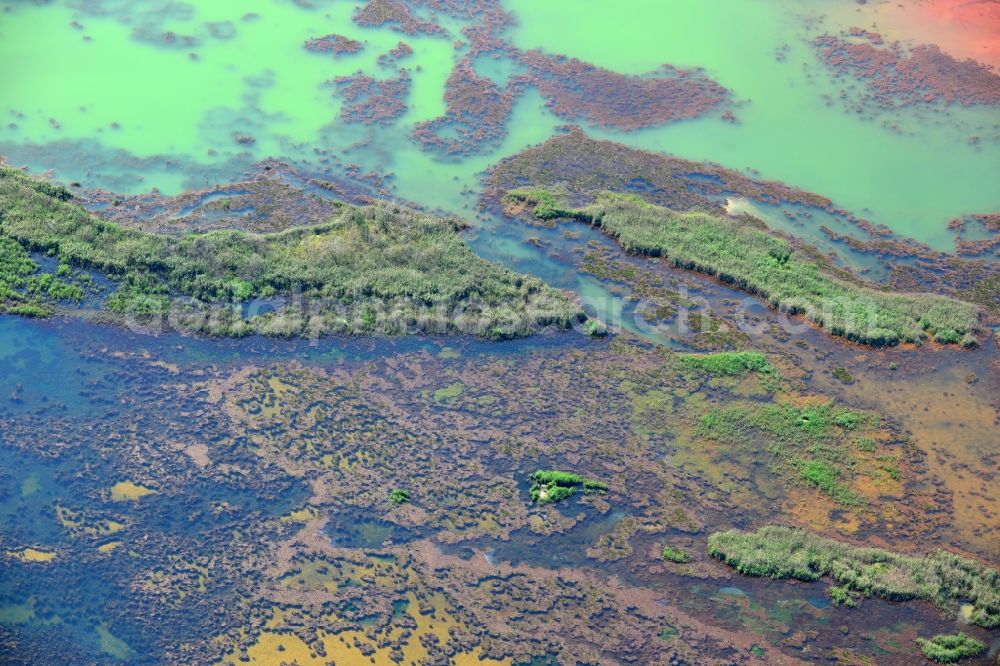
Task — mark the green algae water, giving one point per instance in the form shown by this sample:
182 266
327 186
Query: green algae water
97 92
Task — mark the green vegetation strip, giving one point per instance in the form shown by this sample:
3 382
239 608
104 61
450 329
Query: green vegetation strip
763 264
941 578
549 486
949 648
370 269
727 364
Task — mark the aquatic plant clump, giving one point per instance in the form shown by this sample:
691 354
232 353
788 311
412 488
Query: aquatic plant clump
895 77
810 441
949 648
727 364
397 14
369 101
334 44
28 291
549 486
475 117
373 269
941 578
768 266
577 89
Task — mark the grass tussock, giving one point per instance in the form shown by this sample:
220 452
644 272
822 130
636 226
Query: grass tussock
548 486
949 648
375 259
763 264
941 578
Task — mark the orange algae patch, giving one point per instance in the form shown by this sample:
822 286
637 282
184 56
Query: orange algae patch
960 28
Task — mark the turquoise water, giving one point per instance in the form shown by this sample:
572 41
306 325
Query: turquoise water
162 115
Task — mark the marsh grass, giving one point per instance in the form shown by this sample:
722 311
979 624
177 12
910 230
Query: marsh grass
949 648
726 364
768 266
941 578
389 268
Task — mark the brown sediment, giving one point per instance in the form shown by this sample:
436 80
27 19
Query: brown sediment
333 44
895 76
575 162
370 101
395 54
579 90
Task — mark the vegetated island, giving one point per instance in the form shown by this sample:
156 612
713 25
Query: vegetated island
941 578
949 648
753 259
579 166
548 486
372 269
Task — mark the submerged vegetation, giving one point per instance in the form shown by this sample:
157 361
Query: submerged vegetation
763 264
375 269
949 648
26 291
941 578
548 486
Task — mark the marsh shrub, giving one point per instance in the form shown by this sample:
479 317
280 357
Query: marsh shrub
761 263
941 578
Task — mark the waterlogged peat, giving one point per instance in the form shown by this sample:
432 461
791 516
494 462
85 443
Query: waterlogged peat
273 485
475 116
